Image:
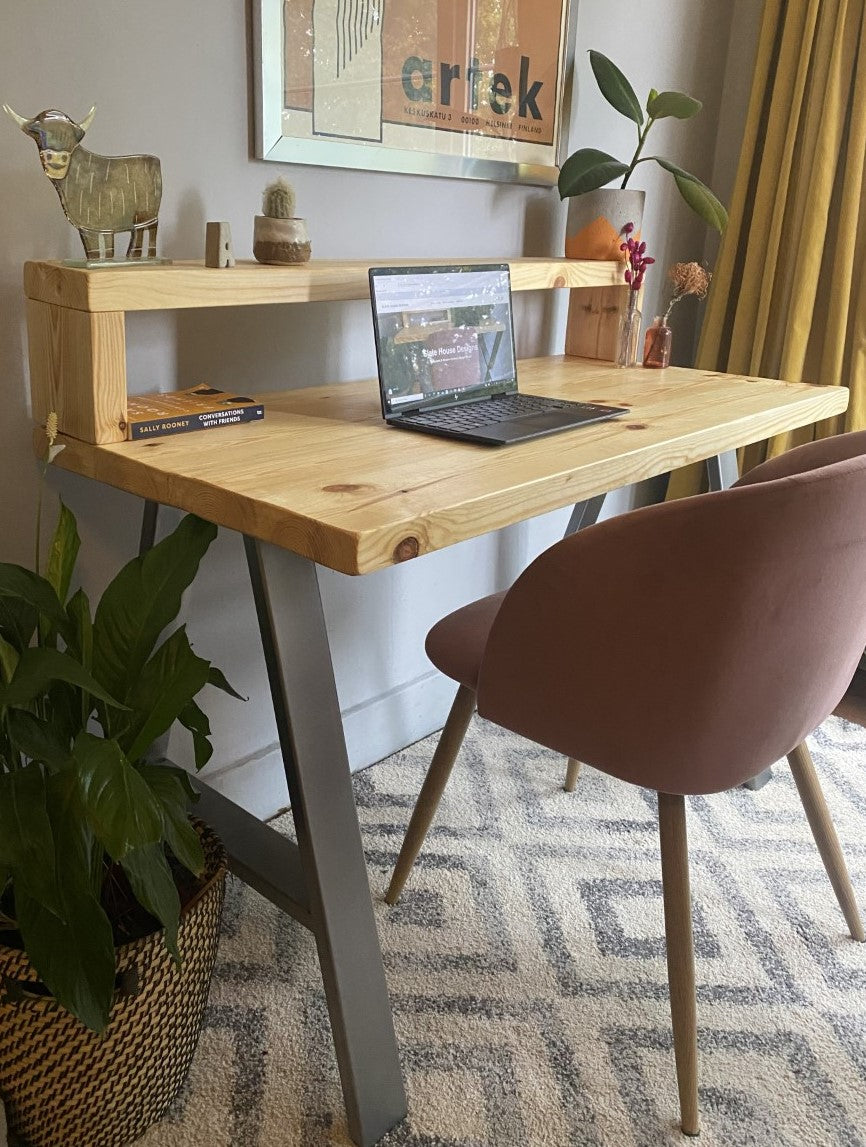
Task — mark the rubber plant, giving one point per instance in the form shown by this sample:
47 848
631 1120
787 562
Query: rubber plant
83 696
589 169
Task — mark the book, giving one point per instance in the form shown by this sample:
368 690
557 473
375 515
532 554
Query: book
179 411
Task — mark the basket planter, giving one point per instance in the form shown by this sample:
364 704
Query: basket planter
65 1086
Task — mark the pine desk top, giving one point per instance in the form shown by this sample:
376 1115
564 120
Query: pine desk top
323 476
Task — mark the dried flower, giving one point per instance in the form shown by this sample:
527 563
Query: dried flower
638 260
688 279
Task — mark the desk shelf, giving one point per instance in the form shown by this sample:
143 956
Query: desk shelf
77 330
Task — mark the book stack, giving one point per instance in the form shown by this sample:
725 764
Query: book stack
179 411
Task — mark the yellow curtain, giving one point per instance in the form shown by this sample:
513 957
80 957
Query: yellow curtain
788 298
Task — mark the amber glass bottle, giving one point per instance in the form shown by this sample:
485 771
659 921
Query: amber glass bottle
657 344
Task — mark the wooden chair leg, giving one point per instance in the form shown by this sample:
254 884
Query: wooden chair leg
431 791
821 823
571 775
680 954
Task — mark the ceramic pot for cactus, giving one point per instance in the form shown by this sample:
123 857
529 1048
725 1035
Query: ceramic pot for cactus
595 221
280 240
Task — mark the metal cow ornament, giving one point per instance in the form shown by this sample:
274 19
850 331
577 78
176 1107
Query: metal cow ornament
101 194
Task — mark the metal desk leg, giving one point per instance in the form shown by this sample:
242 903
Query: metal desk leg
310 729
148 527
321 881
584 514
722 472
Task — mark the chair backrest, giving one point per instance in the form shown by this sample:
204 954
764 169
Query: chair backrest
689 645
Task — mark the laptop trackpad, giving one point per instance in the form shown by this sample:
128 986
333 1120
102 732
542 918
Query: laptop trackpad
538 423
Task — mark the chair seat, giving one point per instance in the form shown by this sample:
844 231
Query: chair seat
456 644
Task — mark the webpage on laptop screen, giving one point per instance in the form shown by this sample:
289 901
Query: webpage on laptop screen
442 335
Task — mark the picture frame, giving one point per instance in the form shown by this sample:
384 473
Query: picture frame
431 87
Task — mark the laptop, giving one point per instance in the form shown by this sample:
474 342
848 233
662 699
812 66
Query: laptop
445 351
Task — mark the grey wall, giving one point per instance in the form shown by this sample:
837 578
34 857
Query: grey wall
174 79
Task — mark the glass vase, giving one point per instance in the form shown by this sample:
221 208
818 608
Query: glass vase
628 334
657 344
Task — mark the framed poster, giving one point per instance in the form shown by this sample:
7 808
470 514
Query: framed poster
471 88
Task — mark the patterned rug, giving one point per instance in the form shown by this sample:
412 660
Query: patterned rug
526 969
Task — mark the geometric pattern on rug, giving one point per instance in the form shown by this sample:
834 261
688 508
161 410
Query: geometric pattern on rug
526 969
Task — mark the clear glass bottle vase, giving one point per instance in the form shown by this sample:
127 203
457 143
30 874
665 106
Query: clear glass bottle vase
628 335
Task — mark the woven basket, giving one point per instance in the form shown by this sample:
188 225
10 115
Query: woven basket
64 1086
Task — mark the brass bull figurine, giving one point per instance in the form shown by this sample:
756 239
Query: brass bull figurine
100 194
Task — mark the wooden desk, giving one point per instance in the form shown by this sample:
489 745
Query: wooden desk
322 480
322 476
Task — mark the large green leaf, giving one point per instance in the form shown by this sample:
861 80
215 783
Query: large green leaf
119 806
81 637
80 856
37 739
24 595
26 838
171 787
17 621
193 717
154 888
63 552
172 677
8 659
81 648
74 957
38 669
697 195
142 600
587 170
676 104
216 677
615 87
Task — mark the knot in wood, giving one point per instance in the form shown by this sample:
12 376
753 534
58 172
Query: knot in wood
409 548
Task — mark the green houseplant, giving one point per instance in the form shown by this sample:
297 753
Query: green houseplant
588 170
97 849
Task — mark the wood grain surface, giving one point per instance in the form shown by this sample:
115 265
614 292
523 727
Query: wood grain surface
323 476
190 284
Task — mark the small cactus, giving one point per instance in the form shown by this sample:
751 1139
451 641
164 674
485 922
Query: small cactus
278 200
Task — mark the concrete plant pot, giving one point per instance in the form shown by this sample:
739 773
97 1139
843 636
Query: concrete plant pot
595 221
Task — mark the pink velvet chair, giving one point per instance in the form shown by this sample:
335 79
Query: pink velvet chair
684 647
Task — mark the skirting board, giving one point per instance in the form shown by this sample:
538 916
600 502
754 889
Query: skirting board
374 730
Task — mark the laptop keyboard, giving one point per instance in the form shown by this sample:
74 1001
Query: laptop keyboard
473 415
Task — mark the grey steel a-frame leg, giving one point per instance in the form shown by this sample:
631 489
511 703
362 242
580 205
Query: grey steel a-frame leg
310 730
321 881
722 470
584 514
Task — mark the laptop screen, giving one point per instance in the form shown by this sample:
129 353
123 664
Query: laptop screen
443 334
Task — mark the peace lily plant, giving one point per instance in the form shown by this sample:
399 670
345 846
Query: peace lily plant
589 169
85 818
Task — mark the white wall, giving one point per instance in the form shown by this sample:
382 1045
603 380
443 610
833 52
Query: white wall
174 79
667 45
